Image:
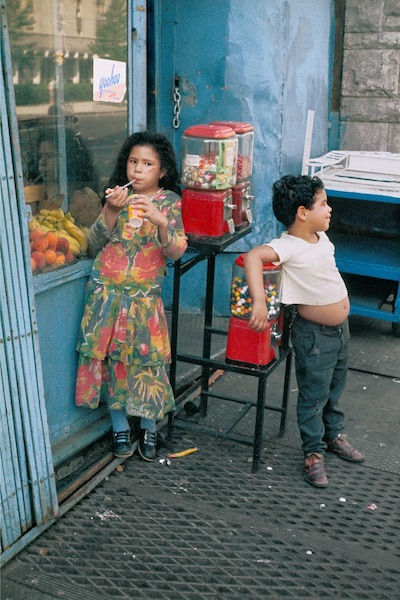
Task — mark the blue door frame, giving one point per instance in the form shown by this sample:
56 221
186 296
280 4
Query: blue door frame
40 427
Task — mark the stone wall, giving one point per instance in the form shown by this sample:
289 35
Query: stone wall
370 103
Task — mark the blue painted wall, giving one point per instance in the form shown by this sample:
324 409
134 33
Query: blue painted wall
59 312
263 61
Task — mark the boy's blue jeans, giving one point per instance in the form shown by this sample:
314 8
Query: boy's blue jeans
321 356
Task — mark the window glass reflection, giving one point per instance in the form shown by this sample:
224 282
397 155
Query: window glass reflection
68 142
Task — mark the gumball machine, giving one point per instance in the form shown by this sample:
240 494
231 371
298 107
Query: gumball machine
241 198
208 170
207 213
241 190
246 346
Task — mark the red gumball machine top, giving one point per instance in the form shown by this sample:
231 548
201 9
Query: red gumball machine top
209 157
245 134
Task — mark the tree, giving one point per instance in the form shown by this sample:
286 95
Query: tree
111 40
20 23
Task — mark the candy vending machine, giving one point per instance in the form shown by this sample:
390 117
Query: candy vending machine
209 171
241 191
246 346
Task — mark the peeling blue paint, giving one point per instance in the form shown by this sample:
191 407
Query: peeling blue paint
262 61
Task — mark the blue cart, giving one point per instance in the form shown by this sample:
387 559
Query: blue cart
363 189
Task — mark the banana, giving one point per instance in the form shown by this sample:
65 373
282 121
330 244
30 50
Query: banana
74 245
62 232
57 213
43 227
49 220
43 220
64 225
77 233
69 217
84 245
85 232
45 223
33 224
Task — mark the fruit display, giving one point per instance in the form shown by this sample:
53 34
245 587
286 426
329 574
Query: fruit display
55 239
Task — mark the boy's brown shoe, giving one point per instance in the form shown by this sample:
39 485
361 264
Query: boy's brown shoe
314 470
344 449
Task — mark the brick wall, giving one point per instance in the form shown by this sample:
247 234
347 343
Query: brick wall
370 102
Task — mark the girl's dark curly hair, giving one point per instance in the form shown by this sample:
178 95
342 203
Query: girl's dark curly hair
290 192
165 152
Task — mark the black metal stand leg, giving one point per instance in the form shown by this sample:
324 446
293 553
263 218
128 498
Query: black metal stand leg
208 318
259 426
285 396
170 430
174 345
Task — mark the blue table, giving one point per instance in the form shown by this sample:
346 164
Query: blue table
363 189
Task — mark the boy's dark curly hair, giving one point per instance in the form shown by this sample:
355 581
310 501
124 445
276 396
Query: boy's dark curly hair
164 150
290 192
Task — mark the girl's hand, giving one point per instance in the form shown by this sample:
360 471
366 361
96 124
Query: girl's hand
117 200
150 211
114 204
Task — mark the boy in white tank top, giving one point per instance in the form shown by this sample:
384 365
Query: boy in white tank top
320 331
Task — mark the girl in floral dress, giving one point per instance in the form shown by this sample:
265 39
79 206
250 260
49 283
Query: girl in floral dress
123 343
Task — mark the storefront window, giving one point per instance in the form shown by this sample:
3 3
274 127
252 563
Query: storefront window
68 141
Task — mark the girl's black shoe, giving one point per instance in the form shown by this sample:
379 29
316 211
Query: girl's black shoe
121 445
148 445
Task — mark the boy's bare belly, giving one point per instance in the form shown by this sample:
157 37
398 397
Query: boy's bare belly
329 314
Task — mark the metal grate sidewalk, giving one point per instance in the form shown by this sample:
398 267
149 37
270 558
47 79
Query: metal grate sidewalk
205 527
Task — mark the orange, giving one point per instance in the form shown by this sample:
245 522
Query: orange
52 238
35 233
39 259
69 257
60 258
41 244
50 256
62 245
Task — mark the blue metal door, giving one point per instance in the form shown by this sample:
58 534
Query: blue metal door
28 499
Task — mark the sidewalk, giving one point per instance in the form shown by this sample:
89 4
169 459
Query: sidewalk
205 527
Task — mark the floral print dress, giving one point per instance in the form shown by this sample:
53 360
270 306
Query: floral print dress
123 343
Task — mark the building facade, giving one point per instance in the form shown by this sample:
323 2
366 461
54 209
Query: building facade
370 93
264 62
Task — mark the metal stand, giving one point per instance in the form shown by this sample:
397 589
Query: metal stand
208 249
